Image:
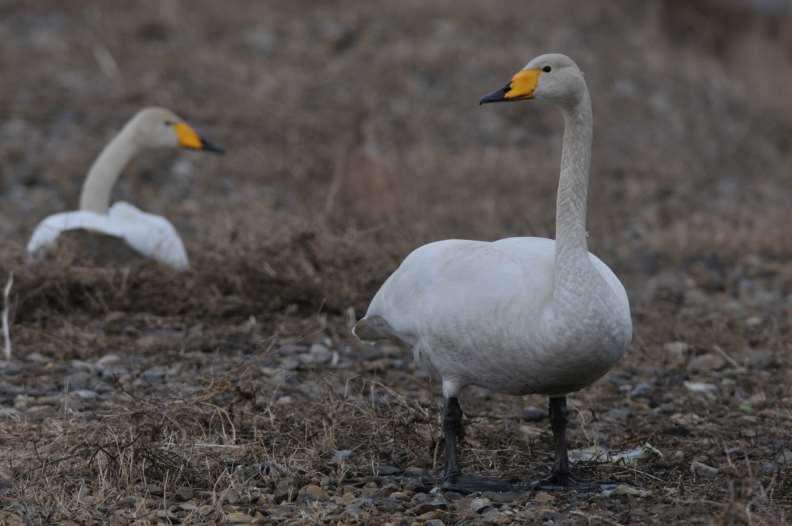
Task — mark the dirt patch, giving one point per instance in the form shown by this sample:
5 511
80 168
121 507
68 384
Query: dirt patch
234 392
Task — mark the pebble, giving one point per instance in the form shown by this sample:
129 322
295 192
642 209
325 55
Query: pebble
106 360
185 493
618 413
9 368
284 491
785 457
154 375
434 522
640 390
37 357
761 359
81 365
340 455
479 504
703 470
437 503
319 353
314 492
79 380
237 517
700 387
768 468
624 489
85 394
706 363
385 470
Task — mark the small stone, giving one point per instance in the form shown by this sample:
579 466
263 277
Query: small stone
340 455
785 457
37 357
493 516
9 368
768 468
619 413
79 380
237 517
284 491
320 353
543 497
184 493
434 522
23 401
232 497
703 470
400 495
533 414
437 503
676 348
348 498
384 470
640 390
761 359
290 363
624 489
85 394
706 363
314 492
700 387
81 365
107 360
479 504
154 375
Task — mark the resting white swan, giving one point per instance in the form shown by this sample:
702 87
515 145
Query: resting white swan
518 315
150 235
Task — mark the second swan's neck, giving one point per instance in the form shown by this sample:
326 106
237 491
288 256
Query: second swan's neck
105 170
572 264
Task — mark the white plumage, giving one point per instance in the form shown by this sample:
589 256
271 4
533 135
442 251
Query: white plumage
519 315
150 235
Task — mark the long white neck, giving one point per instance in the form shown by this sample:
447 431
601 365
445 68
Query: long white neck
104 173
573 267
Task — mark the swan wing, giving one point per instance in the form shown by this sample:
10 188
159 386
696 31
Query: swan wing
45 236
460 285
151 235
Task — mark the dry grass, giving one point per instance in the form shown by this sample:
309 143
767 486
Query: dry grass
353 136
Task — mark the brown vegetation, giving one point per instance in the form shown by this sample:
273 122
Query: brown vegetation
236 392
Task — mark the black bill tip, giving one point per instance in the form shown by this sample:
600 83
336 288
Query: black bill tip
499 95
211 147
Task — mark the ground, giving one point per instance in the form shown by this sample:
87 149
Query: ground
235 392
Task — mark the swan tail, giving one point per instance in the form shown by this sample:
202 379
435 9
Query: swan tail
373 328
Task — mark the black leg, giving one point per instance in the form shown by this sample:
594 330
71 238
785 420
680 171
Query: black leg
452 432
558 423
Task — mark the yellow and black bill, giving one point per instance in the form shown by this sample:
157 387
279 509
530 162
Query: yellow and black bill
192 140
521 87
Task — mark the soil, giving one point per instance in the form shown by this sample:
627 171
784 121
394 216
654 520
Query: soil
235 392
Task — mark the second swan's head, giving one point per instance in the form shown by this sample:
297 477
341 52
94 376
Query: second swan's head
553 77
160 127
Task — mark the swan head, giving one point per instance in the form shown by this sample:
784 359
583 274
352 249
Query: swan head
161 128
553 77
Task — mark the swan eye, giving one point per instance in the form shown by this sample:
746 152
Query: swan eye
169 123
547 69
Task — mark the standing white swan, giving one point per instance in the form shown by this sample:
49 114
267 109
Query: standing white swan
519 315
150 235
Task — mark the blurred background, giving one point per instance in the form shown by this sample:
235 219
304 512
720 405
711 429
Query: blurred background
354 134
